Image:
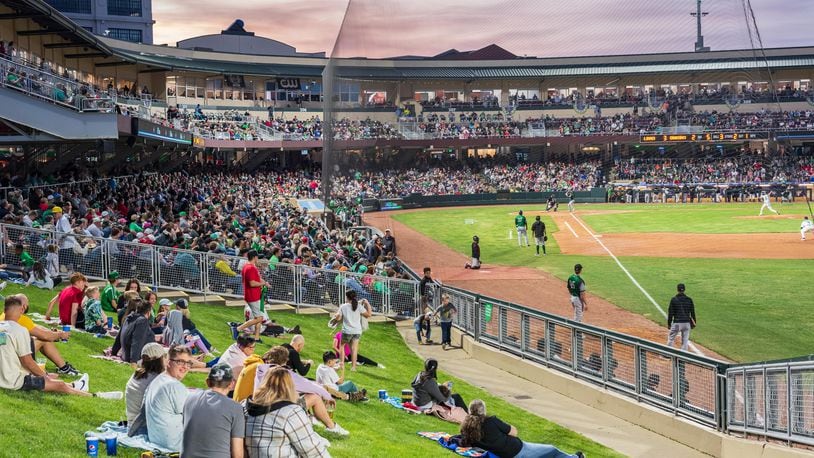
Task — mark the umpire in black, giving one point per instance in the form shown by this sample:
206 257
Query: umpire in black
680 317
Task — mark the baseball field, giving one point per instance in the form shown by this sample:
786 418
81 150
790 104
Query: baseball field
750 276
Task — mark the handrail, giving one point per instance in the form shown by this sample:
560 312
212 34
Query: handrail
53 88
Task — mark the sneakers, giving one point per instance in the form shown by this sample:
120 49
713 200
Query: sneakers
67 369
295 330
338 430
359 396
3 286
82 383
115 395
580 455
233 327
381 366
316 423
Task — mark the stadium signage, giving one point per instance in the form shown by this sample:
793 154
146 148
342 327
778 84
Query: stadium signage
733 136
154 131
198 142
288 83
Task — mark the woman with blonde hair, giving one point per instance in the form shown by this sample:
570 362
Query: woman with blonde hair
276 426
493 435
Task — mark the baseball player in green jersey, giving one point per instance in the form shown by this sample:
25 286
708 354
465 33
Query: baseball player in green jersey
576 286
522 229
110 295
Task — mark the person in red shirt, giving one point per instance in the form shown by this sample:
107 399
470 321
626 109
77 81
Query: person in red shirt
252 293
70 302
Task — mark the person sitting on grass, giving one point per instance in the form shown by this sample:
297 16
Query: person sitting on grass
136 332
427 392
44 339
294 360
500 438
360 360
276 424
164 401
214 425
336 383
70 302
182 305
21 269
160 320
95 318
174 334
313 396
237 353
39 277
153 362
110 294
18 370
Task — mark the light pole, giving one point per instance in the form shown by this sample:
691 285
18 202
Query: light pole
699 40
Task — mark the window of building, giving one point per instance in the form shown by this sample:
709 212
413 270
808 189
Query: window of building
72 6
133 35
124 8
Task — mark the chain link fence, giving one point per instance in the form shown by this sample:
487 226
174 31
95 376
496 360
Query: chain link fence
777 400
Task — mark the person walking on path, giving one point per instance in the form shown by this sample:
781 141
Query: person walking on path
538 229
576 287
522 226
680 317
253 295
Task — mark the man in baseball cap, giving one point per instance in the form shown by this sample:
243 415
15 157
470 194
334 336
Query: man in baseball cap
214 424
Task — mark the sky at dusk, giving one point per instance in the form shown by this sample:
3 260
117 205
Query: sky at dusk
543 28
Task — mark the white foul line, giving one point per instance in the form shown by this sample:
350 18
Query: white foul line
619 263
571 229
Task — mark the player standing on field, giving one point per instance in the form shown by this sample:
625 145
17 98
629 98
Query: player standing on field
806 226
538 229
576 286
767 203
570 195
521 225
680 317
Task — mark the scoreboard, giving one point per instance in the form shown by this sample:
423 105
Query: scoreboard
730 136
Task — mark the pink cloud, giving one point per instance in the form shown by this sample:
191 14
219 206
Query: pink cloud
381 28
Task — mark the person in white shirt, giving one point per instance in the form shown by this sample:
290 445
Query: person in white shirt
806 226
164 401
767 204
336 383
93 229
350 313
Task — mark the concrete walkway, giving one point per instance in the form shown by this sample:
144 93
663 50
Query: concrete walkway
599 426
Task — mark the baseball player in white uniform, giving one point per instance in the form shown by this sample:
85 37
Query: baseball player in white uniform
570 195
767 204
806 226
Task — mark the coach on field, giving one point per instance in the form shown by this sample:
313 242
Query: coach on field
680 317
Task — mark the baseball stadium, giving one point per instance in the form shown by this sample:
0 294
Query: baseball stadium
533 229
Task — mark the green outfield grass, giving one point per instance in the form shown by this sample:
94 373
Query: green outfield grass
37 424
748 309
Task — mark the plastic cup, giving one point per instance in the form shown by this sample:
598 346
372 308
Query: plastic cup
92 446
66 328
110 322
112 445
41 362
331 411
382 394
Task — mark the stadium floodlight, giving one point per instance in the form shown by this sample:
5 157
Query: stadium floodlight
699 40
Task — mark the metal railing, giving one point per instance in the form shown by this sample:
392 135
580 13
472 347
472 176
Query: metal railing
55 89
772 400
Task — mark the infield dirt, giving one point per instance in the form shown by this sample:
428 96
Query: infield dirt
538 289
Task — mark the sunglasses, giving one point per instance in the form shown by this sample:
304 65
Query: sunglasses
184 362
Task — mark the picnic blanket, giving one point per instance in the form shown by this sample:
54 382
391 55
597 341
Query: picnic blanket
140 442
115 359
41 318
449 442
409 407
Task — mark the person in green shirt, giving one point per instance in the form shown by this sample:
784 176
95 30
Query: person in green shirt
25 259
110 295
522 229
576 287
